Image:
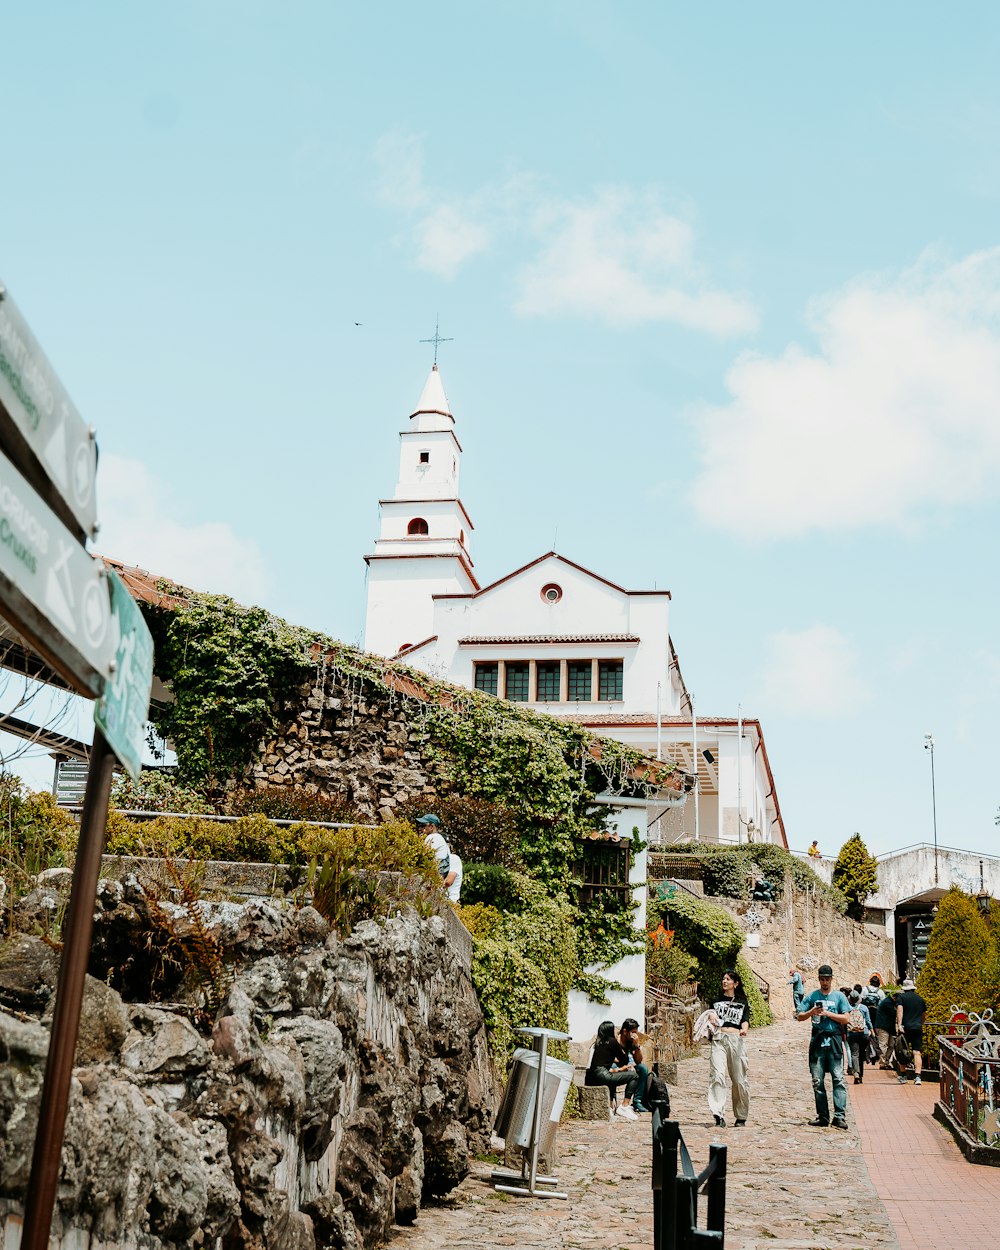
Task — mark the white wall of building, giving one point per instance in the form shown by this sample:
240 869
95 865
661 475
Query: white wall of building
584 1014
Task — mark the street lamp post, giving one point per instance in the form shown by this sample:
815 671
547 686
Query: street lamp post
929 746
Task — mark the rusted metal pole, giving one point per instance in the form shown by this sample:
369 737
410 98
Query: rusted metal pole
77 931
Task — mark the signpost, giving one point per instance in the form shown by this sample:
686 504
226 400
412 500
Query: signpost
81 619
54 592
122 709
40 427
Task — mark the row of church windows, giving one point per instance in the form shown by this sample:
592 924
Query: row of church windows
552 681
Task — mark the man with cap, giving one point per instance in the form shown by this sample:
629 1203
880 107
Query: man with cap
910 1009
828 1009
430 827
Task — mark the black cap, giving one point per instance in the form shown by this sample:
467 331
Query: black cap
824 970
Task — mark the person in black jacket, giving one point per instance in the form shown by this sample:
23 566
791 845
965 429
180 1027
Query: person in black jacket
611 1066
885 1030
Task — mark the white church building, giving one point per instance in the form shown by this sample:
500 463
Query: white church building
561 639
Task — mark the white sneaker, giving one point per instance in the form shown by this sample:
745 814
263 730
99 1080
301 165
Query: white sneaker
626 1113
917 1080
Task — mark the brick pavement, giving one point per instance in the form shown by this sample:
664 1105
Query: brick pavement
934 1197
790 1187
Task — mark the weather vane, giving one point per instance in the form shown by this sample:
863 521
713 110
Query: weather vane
436 340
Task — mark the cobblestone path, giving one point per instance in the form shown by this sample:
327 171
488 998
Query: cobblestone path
790 1187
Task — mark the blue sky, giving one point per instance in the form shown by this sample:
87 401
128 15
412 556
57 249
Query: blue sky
723 283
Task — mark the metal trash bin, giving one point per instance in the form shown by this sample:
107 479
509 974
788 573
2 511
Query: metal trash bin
516 1115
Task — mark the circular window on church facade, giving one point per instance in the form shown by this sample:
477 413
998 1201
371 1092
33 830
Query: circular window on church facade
551 593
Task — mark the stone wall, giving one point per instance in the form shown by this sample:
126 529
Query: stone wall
353 740
341 1083
803 930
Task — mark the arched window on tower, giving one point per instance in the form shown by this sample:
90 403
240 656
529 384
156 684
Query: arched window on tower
417 526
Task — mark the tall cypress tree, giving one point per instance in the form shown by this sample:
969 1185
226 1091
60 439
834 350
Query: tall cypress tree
856 873
958 955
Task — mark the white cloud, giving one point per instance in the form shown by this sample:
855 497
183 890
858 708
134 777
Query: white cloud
897 410
621 258
140 526
615 255
812 672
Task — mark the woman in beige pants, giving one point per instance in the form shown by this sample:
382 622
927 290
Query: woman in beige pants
728 1054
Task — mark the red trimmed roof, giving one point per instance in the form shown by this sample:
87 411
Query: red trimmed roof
554 555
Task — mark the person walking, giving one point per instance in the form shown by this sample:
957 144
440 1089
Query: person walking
859 1030
728 1054
885 1030
910 1011
828 1009
798 990
610 1066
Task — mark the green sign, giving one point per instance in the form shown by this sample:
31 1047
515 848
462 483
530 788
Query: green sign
51 590
39 422
122 710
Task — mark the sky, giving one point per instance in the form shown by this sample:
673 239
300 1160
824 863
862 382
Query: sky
723 289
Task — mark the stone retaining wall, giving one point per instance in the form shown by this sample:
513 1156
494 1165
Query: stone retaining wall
343 1081
352 739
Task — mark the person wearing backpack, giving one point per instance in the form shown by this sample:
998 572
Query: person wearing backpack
859 1030
885 1030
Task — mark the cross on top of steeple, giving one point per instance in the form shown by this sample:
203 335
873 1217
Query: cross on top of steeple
436 340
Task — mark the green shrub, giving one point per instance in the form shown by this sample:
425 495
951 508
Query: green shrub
728 870
670 968
35 833
292 803
704 930
478 830
760 1012
958 956
855 874
493 884
393 847
523 967
157 791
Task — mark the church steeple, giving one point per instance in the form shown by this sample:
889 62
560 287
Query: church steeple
423 545
433 401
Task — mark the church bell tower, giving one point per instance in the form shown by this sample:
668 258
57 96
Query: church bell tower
422 548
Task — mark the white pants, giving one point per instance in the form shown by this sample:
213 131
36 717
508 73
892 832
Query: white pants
728 1055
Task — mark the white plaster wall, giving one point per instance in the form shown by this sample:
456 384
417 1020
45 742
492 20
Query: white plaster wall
444 520
905 874
584 1014
436 479
399 604
587 607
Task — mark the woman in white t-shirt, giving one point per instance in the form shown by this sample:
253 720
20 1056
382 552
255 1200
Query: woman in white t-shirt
728 1053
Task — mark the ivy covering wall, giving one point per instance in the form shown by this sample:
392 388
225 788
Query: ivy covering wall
239 675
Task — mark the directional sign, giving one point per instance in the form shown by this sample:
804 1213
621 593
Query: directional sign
122 710
39 424
51 590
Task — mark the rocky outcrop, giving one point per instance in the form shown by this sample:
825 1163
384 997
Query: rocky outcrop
340 1082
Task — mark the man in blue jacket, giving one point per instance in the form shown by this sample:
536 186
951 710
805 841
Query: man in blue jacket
828 1009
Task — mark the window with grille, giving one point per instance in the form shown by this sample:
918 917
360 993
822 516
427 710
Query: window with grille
603 868
517 683
609 679
488 678
578 680
548 681
417 526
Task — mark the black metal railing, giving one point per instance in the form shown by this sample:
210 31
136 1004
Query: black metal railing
676 1186
762 985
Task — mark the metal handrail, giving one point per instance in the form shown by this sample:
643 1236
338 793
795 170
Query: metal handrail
675 1190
